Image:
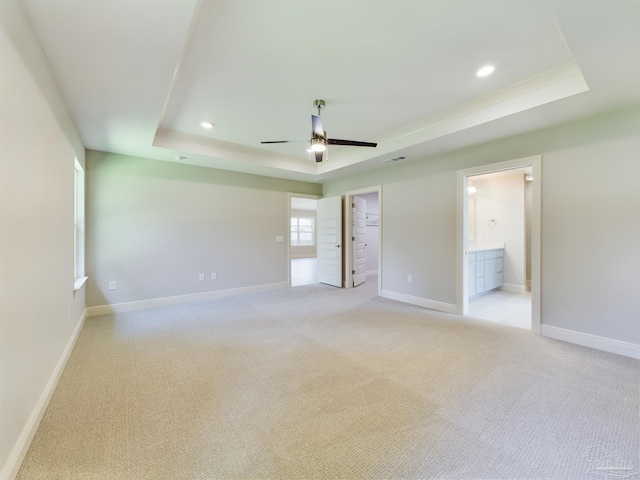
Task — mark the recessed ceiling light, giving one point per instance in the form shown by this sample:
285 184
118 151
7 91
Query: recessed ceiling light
485 71
206 125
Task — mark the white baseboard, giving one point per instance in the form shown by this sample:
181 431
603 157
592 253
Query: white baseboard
370 273
303 255
13 463
179 299
514 287
587 340
419 301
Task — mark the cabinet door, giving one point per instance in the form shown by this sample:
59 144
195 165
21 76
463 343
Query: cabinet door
490 274
472 278
480 269
499 268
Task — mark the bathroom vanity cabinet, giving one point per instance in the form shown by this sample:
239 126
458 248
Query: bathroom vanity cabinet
485 270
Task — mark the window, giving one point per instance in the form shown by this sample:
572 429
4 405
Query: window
302 231
78 226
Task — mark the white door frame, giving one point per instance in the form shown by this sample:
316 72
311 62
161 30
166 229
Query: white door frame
348 220
289 197
535 162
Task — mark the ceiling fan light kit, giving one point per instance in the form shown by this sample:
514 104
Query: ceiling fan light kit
319 141
318 144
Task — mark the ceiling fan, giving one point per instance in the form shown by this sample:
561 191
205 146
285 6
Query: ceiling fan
319 141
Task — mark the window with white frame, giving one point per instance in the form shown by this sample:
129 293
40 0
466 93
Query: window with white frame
302 231
78 225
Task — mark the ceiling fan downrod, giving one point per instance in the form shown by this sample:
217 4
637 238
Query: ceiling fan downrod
319 104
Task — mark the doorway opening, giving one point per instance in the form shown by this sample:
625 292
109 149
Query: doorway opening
303 239
363 237
499 243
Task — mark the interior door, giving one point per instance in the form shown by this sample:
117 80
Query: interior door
330 241
358 240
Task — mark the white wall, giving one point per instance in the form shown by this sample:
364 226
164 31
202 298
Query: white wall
153 227
419 236
38 312
590 222
499 215
591 239
528 212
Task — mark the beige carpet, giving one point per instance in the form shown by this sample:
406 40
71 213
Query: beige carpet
318 382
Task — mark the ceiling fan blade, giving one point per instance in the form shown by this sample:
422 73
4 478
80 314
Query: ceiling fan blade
286 141
352 143
318 156
316 126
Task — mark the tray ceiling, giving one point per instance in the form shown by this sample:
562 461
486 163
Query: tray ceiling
139 76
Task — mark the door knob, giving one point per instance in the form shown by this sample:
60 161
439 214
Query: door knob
337 246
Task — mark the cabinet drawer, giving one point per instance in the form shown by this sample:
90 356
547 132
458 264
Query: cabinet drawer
480 255
472 256
499 253
480 285
489 254
479 269
499 264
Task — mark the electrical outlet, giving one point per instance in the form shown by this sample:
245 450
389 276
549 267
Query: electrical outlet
112 285
201 277
214 276
409 279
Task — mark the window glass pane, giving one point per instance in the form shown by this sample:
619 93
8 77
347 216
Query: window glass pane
306 238
294 231
79 226
302 231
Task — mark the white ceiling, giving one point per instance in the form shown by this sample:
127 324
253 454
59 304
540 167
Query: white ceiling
139 76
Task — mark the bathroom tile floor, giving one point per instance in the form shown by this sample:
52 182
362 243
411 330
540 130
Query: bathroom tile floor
502 306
